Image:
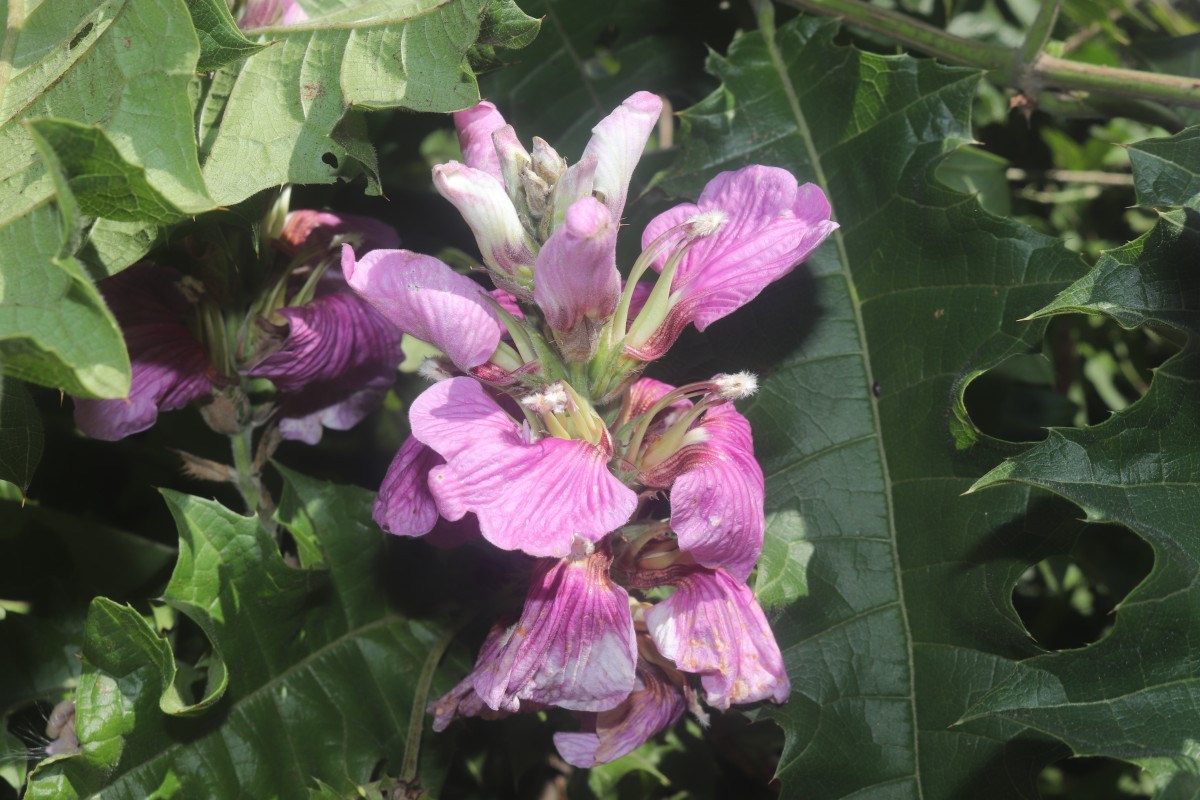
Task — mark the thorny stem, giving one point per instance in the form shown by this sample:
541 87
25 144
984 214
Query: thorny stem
1046 72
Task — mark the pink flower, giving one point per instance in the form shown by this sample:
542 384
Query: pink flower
654 705
759 226
573 646
713 626
169 366
316 231
716 492
475 128
265 13
534 496
426 299
404 505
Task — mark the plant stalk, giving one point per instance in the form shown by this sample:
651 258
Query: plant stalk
248 482
1007 65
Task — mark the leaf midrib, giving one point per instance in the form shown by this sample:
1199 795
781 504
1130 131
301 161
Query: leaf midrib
777 63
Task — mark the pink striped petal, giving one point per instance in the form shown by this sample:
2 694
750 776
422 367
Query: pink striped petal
531 496
617 144
713 626
404 505
426 299
573 646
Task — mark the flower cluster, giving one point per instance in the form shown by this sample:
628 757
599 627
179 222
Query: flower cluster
184 347
539 424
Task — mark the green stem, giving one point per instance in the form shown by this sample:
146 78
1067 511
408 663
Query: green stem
1039 32
416 719
1049 72
243 461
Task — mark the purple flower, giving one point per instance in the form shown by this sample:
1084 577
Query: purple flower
169 366
333 360
654 705
716 491
475 128
713 626
535 496
426 299
573 646
404 505
757 224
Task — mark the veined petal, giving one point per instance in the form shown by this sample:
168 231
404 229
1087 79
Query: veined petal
426 299
655 705
717 499
713 626
333 408
645 392
475 128
770 225
404 505
307 229
531 496
617 144
576 272
169 366
487 209
573 646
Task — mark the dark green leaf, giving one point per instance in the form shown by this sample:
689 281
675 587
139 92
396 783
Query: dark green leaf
901 615
1165 171
20 433
1130 696
221 42
324 678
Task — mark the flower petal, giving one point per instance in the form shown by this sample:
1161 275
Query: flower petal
654 706
617 144
712 625
306 229
426 299
404 505
265 13
573 646
169 367
475 128
487 209
576 272
531 496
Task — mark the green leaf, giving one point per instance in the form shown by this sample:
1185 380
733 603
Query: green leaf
1165 171
325 679
282 109
102 183
221 42
1128 696
901 617
20 433
54 327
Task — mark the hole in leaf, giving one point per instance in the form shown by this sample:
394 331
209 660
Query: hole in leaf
1095 779
79 37
1017 400
1066 601
330 159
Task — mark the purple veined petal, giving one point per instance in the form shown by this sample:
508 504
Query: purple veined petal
507 301
297 423
654 705
462 701
576 271
265 13
713 626
335 338
717 498
645 392
169 366
536 497
487 209
573 646
309 229
770 225
404 505
426 299
475 127
617 144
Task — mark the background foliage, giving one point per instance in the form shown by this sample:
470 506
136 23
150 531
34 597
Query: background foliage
969 605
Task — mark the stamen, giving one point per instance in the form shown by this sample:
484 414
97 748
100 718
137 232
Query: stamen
432 371
707 223
551 400
737 386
